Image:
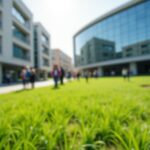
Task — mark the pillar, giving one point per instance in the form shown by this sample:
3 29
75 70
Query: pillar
133 68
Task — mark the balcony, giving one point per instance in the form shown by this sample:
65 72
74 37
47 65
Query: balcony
45 50
20 34
21 38
21 53
45 40
46 62
20 18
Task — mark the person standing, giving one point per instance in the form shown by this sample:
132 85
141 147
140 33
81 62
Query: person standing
124 73
62 74
78 76
8 77
128 74
32 77
56 75
23 77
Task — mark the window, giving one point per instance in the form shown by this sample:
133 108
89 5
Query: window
45 50
20 34
108 47
128 55
46 62
145 52
129 49
45 39
20 53
144 46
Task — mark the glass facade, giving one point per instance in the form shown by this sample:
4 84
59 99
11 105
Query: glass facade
122 35
19 34
20 53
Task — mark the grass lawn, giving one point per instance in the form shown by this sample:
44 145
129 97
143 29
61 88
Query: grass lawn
104 114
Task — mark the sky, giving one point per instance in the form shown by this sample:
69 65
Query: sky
63 18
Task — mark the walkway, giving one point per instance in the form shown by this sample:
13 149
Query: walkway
18 87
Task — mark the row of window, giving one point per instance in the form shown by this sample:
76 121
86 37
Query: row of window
45 50
45 62
21 53
19 34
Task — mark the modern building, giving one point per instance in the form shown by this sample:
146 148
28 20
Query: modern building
137 49
42 53
16 38
127 32
61 59
96 50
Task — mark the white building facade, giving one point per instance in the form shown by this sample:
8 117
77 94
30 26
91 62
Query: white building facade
42 52
16 38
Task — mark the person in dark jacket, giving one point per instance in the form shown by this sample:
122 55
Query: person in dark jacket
32 77
62 74
56 75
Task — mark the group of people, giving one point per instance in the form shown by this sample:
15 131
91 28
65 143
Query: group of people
28 75
58 74
126 73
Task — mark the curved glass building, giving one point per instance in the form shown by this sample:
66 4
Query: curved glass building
121 38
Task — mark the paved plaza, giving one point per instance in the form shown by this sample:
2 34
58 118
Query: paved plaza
18 87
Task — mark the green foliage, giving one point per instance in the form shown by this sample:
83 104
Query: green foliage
104 114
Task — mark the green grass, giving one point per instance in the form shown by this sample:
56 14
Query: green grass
105 114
